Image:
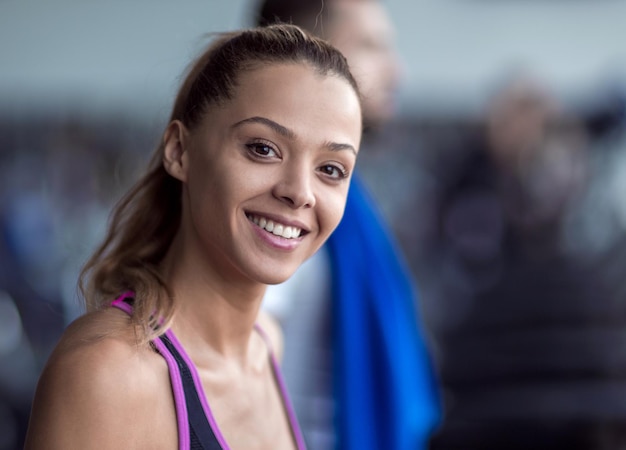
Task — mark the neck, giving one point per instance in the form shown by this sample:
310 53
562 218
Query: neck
214 317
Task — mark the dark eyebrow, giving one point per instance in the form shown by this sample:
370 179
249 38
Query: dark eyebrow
267 122
336 147
283 131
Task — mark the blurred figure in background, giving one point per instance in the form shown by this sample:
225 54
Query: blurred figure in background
57 177
531 310
356 360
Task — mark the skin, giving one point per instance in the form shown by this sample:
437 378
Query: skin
276 156
363 31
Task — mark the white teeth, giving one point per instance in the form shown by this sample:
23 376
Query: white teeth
278 230
285 231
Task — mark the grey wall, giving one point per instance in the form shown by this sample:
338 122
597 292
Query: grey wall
128 54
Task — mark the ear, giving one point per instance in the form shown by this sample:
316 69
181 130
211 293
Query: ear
175 141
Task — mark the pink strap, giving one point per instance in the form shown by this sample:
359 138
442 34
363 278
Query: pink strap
291 414
121 304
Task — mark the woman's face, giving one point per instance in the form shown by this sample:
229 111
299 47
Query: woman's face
266 174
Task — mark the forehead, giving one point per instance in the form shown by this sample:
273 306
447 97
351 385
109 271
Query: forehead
298 97
270 81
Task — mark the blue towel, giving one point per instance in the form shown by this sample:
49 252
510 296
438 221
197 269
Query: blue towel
384 385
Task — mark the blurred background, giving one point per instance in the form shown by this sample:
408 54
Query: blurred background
503 182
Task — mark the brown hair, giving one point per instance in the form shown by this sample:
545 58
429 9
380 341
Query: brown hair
145 221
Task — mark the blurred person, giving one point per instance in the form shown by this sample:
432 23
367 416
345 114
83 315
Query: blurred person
539 149
46 229
250 179
30 315
528 330
356 358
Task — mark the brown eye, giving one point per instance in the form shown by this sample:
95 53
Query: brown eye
262 150
333 171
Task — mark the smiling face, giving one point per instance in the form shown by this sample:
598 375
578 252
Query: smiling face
266 174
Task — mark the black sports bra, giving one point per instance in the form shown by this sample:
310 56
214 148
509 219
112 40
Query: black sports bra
197 428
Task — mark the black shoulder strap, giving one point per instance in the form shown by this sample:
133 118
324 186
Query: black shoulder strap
202 436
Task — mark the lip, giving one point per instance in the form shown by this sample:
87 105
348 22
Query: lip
278 242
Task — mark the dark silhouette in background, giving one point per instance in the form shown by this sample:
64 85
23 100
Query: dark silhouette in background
58 176
523 269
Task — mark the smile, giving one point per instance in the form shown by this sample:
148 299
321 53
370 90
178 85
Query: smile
278 229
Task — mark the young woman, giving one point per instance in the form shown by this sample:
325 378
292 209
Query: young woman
249 181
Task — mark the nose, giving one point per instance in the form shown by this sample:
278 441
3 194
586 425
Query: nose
295 186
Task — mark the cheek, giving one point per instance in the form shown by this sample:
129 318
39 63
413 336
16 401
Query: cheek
210 194
256 179
331 211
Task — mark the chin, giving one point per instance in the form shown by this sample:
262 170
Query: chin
274 277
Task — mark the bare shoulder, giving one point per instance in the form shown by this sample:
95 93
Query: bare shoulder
274 332
99 378
98 344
